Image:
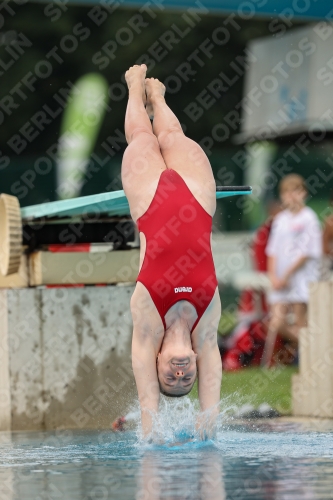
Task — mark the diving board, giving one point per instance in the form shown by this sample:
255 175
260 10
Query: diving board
98 218
112 203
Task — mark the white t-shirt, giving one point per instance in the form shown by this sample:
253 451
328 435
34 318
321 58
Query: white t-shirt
293 236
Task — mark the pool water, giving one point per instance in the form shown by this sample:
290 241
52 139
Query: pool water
268 460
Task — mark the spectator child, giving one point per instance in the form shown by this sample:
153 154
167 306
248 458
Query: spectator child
294 250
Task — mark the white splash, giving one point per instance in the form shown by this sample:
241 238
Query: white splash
132 416
180 420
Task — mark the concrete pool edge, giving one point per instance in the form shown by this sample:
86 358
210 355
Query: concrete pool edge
315 424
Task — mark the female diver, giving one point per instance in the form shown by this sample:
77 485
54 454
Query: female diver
175 307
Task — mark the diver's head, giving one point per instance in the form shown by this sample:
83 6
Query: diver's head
176 363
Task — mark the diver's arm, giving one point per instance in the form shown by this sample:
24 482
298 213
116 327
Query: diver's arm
209 377
209 365
209 387
144 368
208 355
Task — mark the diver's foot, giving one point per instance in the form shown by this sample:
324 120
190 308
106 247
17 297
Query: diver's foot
154 90
135 79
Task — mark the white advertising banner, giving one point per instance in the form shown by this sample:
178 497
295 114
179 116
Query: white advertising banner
289 84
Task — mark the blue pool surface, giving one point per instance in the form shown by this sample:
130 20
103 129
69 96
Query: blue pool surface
245 461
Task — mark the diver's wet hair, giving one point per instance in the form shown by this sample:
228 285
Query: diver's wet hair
171 395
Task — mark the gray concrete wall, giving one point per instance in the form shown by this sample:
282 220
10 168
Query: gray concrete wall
65 357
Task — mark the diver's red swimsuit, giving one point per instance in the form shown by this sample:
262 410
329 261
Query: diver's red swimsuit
178 262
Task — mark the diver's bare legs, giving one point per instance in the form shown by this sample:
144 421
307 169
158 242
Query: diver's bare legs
164 117
179 152
136 118
142 161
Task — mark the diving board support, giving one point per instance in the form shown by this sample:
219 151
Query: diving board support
87 268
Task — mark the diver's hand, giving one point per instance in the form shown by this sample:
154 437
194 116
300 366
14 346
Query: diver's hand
206 424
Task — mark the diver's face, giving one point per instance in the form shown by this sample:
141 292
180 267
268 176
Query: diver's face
177 372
